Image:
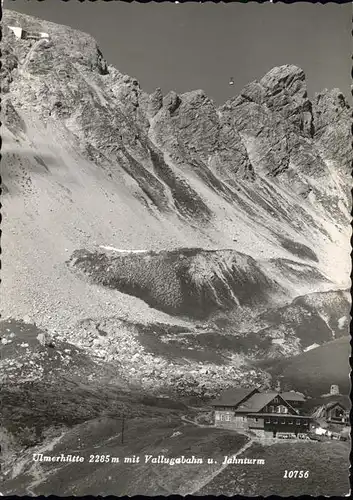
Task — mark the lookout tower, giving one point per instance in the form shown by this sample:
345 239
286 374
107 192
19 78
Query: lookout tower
334 390
278 386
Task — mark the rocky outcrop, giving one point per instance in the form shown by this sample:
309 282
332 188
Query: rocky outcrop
332 122
12 119
155 102
171 102
66 43
275 119
9 64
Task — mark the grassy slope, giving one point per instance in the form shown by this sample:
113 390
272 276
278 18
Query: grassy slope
314 371
327 463
44 389
142 436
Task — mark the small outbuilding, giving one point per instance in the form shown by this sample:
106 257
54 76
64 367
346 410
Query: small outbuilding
333 413
23 34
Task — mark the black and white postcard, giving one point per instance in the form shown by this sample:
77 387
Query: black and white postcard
176 198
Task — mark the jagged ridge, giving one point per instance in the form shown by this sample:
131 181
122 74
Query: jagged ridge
261 175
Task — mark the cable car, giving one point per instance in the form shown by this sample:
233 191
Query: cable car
231 81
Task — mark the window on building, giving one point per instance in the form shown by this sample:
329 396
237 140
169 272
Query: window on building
256 419
272 409
267 420
297 422
285 409
275 421
283 421
227 418
278 409
290 422
305 422
217 416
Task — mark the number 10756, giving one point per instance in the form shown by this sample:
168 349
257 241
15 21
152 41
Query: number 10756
289 474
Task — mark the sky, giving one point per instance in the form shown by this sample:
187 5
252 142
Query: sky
192 46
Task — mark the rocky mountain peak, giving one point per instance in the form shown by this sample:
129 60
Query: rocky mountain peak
287 78
65 44
171 101
329 107
254 175
155 102
332 120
